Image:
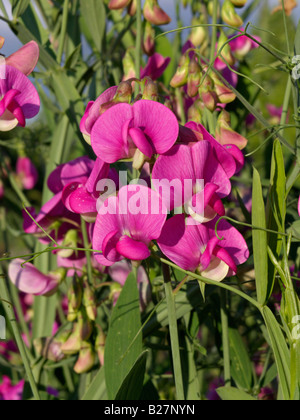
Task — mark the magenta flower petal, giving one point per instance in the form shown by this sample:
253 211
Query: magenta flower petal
155 67
141 142
10 392
107 133
109 246
100 171
134 250
158 122
27 172
25 59
30 280
299 206
78 170
82 202
28 99
54 181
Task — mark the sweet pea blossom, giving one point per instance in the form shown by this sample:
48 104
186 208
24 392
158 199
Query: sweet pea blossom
134 131
194 164
30 280
19 99
127 224
10 392
26 173
299 206
196 247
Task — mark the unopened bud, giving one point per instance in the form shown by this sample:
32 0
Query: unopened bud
49 348
198 34
194 78
239 3
70 241
230 16
195 112
181 76
74 298
226 135
149 42
89 302
225 94
208 94
2 40
85 326
226 52
155 14
151 90
100 345
86 359
73 344
132 8
118 4
129 64
124 93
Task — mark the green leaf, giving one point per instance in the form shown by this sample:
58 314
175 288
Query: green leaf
93 12
19 7
97 389
241 367
276 207
259 238
124 343
132 385
234 394
280 350
73 59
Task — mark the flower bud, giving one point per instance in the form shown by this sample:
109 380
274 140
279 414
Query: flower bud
198 34
118 4
226 135
89 302
100 345
132 8
149 42
2 40
195 112
49 348
208 94
239 3
155 14
85 326
70 241
129 64
86 359
181 76
230 16
1 189
194 78
74 298
151 90
124 93
210 8
224 93
73 344
226 50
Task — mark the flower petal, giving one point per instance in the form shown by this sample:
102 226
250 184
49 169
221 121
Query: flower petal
133 250
25 59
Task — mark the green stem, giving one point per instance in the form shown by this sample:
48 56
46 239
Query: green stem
214 30
173 333
14 326
87 254
18 191
62 38
2 7
138 46
225 338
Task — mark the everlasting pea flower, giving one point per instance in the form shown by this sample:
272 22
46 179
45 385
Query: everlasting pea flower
226 135
134 131
30 280
27 173
194 164
155 14
229 156
19 99
1 189
127 224
242 45
93 112
10 392
155 66
196 247
299 206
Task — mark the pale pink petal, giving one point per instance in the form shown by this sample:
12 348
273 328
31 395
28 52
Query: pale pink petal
25 59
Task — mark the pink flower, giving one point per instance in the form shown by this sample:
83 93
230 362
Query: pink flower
194 164
242 45
196 247
1 189
299 206
30 280
93 112
9 392
147 127
25 59
19 99
27 173
127 224
155 66
229 156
